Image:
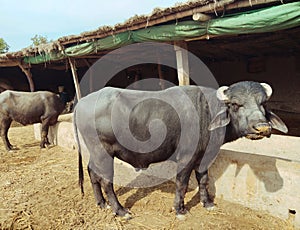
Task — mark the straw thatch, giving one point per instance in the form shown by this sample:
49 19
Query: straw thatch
11 58
156 17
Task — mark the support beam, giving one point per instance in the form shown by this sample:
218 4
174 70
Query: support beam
75 78
160 73
201 17
161 77
91 75
137 78
182 62
28 75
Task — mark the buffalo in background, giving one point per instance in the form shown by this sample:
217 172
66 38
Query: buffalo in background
28 108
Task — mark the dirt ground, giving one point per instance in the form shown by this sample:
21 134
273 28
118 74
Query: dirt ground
39 190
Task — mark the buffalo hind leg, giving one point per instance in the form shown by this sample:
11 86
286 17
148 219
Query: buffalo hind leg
44 133
117 208
5 124
96 184
202 179
102 179
182 180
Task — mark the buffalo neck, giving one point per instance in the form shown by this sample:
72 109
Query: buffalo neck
230 134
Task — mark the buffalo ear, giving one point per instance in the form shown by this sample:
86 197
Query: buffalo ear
220 120
276 122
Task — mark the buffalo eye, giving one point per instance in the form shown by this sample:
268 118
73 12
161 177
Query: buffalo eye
263 104
235 106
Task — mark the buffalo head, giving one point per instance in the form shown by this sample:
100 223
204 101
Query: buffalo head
246 113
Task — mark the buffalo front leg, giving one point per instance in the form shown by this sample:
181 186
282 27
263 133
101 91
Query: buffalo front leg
182 180
5 124
202 179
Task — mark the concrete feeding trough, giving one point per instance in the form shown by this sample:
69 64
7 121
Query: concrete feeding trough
263 175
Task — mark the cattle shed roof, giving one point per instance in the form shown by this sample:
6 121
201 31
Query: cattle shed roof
228 18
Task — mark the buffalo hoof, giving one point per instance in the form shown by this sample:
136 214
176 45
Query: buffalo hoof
9 149
103 205
124 213
209 206
181 217
127 216
12 148
180 214
45 145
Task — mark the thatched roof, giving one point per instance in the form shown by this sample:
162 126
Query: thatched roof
137 21
156 17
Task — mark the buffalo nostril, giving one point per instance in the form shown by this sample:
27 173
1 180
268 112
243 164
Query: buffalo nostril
263 128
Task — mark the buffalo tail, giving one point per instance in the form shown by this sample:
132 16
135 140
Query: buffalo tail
80 166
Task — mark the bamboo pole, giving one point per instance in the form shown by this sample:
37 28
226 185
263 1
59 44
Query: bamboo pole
182 62
161 77
28 75
91 75
75 78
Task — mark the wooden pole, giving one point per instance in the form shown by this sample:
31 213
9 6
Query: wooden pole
161 77
182 62
136 84
160 73
75 78
28 75
91 79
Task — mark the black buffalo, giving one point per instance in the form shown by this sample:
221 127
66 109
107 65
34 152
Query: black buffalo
29 108
207 119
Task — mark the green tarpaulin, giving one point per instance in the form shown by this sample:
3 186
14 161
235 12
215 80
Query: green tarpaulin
270 19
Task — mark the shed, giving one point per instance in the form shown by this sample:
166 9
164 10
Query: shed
236 39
